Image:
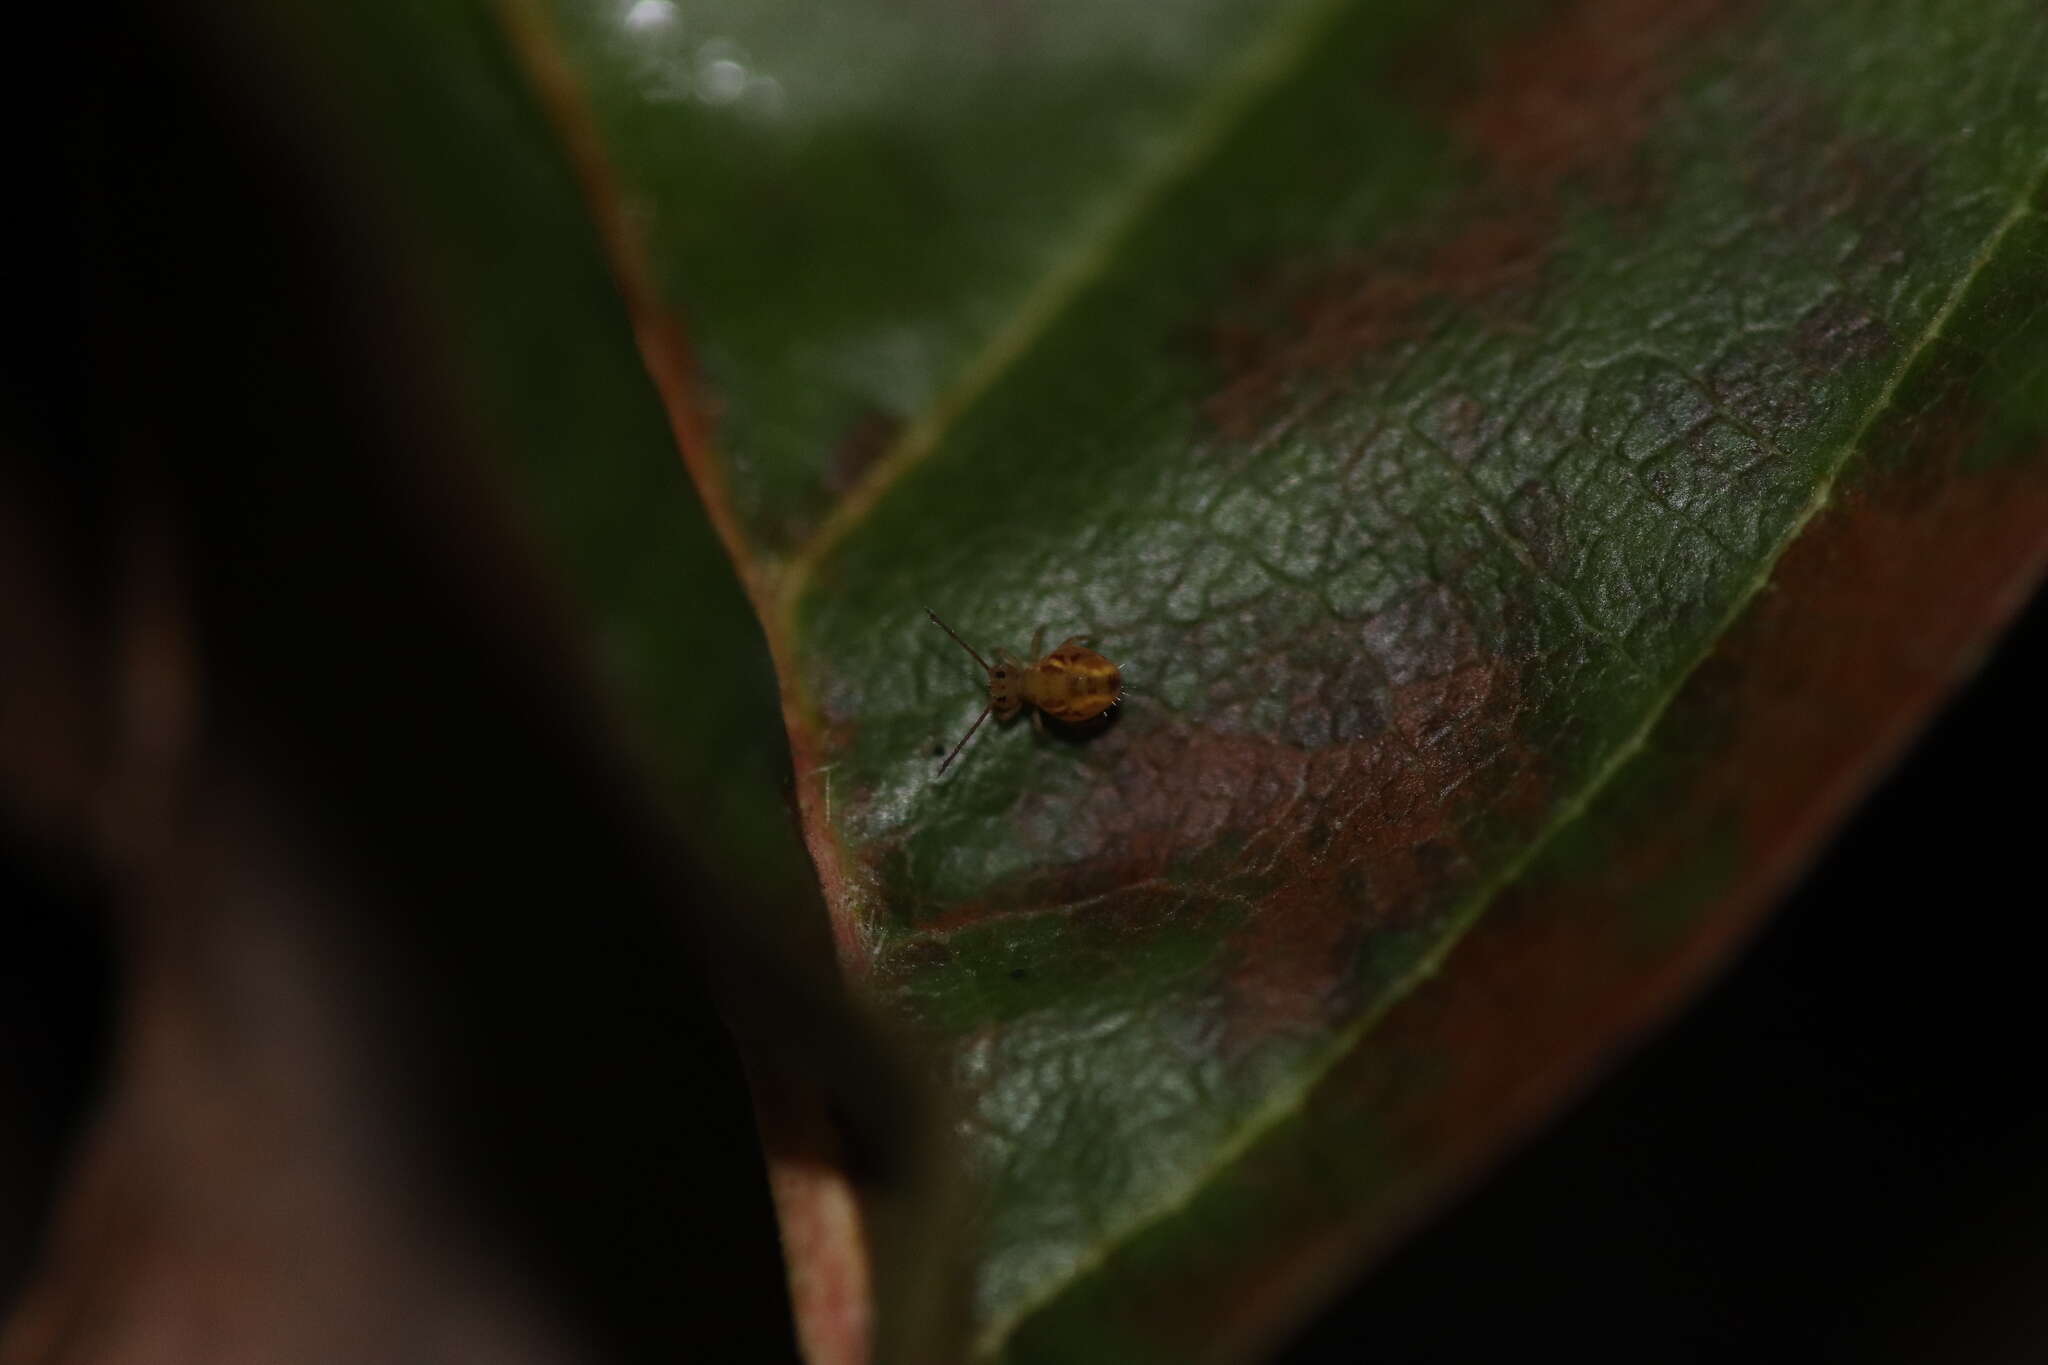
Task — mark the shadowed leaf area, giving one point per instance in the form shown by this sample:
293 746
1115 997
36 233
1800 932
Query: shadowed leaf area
1532 464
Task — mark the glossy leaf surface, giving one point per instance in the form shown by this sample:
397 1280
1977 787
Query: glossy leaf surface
1419 406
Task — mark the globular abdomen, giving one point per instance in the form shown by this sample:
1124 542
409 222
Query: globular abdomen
1072 684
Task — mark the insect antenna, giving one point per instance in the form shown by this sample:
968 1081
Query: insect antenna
964 645
970 729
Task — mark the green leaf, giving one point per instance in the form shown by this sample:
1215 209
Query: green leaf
1532 464
1410 404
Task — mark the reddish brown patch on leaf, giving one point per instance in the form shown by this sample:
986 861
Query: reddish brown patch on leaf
1575 98
1886 575
865 442
1876 612
1395 854
1568 104
1365 305
1839 334
1806 173
1318 847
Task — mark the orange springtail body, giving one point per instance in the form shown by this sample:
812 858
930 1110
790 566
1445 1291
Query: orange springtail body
1072 684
